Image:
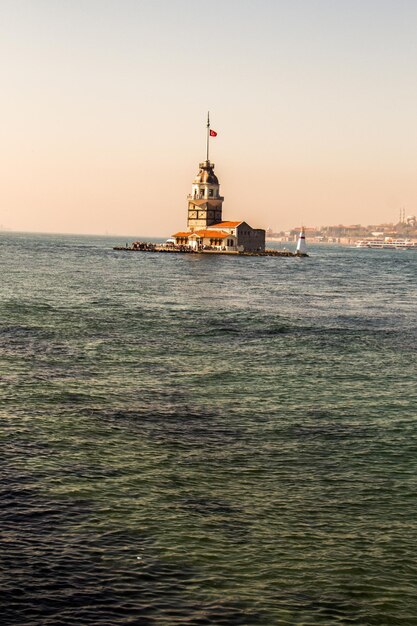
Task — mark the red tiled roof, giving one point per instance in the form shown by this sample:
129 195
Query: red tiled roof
213 234
225 224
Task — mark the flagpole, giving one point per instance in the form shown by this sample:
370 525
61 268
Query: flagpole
208 133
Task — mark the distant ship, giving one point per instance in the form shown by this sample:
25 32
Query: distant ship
387 244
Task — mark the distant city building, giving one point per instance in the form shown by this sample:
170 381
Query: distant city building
349 235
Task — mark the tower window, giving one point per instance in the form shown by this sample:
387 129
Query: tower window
210 192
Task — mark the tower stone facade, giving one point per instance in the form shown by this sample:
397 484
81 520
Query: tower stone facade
204 202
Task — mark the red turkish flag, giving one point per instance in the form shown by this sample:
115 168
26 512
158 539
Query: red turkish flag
213 133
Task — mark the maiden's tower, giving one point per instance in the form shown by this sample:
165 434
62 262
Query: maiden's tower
206 228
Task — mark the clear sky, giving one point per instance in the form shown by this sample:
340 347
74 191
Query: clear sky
104 103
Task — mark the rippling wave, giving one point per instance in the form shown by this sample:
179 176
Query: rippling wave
190 440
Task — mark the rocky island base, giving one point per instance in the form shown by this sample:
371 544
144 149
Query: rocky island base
139 246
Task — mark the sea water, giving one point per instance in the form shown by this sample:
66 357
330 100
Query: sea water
191 439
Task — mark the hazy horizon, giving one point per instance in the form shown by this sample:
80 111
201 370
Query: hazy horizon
105 107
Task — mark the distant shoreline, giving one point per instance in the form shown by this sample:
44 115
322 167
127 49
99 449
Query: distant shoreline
311 241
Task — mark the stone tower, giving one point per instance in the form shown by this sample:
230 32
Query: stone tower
205 201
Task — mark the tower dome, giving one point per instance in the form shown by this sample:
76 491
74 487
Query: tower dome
206 174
